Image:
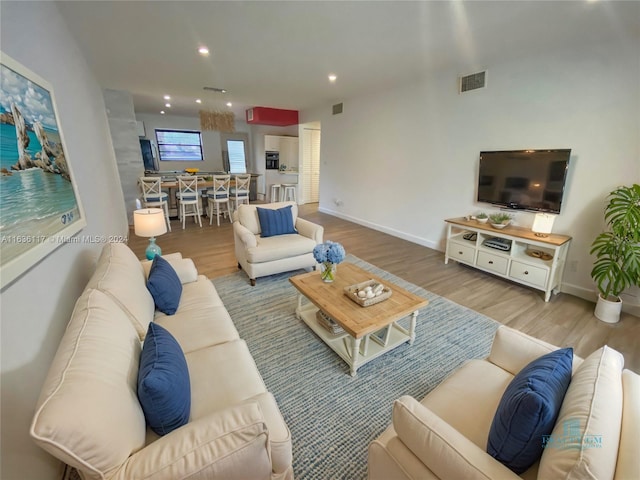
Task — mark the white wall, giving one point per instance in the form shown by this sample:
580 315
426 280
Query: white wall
126 145
35 308
418 145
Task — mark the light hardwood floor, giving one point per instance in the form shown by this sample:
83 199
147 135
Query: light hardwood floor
564 321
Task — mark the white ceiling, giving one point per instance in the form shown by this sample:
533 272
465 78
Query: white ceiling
279 54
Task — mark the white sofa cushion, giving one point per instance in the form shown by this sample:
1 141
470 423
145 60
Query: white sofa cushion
88 413
444 450
628 465
468 399
270 249
184 267
120 275
235 379
231 444
592 408
248 214
200 328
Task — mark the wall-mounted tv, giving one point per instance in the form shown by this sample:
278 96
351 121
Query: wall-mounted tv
524 179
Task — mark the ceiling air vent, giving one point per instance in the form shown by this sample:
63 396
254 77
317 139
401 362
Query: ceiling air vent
337 108
473 82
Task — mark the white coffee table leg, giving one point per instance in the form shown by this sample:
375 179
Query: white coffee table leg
412 327
355 355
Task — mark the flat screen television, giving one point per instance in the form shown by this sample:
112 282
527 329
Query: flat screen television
524 179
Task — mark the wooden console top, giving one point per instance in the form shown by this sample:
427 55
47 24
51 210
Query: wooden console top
512 231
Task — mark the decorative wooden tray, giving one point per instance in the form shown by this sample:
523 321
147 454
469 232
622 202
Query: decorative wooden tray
539 254
352 292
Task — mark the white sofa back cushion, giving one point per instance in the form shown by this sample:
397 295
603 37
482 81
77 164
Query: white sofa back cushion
584 441
88 413
121 276
248 215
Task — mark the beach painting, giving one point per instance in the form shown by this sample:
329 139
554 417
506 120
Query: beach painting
39 204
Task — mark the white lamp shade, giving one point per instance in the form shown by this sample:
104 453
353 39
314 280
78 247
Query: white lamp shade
149 222
543 223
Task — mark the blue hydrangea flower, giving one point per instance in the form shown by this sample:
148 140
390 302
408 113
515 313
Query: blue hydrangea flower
335 252
320 253
329 251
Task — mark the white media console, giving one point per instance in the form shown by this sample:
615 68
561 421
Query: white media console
531 260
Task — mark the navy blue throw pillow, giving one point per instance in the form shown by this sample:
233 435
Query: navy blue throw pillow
528 410
164 285
276 222
164 388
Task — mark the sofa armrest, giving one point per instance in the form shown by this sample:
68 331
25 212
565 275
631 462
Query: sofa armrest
310 230
184 267
243 234
513 350
231 444
443 449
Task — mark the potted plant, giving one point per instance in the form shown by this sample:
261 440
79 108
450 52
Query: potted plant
617 251
482 217
499 220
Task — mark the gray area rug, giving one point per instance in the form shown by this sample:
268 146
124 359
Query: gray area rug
332 416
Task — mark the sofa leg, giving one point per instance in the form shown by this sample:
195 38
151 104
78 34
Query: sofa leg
253 282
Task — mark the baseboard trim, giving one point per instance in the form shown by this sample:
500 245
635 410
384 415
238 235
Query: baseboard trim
628 306
374 226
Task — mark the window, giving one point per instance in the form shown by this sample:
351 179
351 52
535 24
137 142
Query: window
179 145
237 162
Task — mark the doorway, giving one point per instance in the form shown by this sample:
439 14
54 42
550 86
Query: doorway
310 172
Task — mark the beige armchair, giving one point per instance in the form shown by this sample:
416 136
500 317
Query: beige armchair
444 436
259 256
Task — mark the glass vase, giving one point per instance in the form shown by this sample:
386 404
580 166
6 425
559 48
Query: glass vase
328 271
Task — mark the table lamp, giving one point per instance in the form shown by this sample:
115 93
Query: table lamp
542 224
149 222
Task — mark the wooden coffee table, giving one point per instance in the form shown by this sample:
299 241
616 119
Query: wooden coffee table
368 331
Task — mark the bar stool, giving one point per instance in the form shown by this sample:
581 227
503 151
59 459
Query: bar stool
276 191
289 192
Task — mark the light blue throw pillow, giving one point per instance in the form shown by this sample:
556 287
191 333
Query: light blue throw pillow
275 222
528 410
164 285
164 388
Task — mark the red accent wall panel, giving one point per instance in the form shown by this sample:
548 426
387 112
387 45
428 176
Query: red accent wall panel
271 116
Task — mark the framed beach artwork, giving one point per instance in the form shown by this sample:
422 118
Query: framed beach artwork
40 208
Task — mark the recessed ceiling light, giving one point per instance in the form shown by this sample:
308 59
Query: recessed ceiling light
229 104
204 51
332 77
161 112
168 105
198 100
167 97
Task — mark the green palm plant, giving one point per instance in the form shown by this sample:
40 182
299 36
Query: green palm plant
617 250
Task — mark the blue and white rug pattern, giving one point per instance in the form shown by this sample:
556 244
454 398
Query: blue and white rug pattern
332 416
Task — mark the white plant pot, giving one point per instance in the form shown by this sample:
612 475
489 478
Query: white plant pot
608 311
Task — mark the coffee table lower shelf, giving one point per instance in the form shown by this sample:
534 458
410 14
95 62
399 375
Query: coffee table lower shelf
367 348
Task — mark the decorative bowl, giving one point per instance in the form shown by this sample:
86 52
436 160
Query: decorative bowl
482 220
499 226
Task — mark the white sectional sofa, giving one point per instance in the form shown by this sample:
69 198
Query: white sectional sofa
444 436
89 416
